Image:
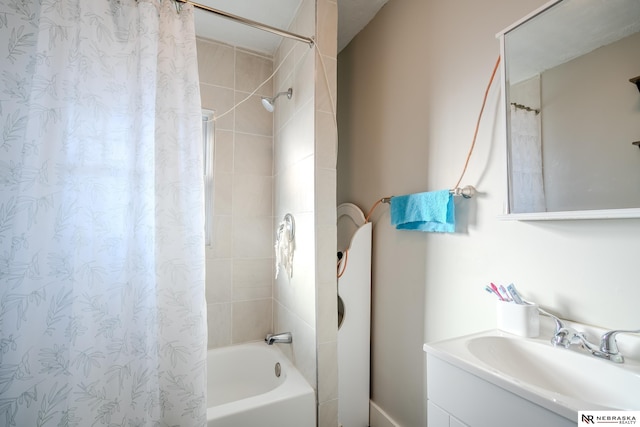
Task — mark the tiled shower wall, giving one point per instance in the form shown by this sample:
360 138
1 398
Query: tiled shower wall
240 261
305 185
301 161
326 144
294 173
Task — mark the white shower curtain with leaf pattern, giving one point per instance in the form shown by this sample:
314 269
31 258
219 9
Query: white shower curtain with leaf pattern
102 310
527 179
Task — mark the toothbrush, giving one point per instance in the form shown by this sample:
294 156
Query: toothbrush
514 294
492 291
495 289
504 293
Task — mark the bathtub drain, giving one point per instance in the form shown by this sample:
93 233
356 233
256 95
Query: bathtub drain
278 369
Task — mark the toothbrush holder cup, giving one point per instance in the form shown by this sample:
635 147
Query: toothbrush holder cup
518 319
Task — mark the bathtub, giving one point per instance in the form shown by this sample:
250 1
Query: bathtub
244 391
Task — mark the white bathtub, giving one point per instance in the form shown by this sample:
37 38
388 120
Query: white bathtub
244 391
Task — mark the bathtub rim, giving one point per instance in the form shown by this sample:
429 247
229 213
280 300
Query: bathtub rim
294 381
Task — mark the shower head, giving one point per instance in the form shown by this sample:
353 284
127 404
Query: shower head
268 103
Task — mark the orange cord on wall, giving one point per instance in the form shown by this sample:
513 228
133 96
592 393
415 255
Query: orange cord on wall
473 142
345 259
375 205
475 134
343 262
464 170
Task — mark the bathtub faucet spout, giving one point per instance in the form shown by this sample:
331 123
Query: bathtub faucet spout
284 337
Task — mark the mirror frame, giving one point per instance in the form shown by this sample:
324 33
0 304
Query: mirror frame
537 216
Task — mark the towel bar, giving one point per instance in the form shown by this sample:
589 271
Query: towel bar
467 192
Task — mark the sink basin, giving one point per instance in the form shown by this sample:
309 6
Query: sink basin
562 380
580 376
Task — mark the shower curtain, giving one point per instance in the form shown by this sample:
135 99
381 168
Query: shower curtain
102 310
527 183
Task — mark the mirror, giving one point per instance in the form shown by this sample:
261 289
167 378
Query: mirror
570 74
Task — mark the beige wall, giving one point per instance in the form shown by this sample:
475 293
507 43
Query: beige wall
410 88
240 260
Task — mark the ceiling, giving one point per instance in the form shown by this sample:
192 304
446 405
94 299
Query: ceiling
353 16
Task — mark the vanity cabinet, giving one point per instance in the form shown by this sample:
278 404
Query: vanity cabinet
457 398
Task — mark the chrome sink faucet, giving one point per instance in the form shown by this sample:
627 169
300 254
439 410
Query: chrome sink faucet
564 336
608 348
284 337
559 324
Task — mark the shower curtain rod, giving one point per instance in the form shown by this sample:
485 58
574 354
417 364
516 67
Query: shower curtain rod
249 22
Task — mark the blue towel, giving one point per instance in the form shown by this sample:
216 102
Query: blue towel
431 211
